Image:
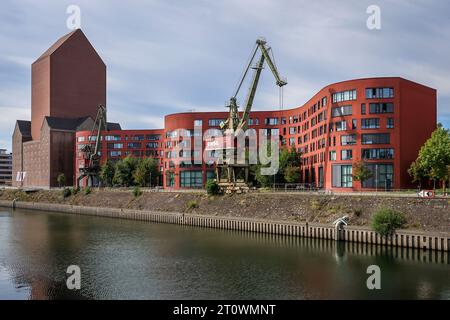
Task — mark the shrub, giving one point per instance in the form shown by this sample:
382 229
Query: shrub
87 190
192 204
61 179
66 192
137 192
74 191
212 188
385 221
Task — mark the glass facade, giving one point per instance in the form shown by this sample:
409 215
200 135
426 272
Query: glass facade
344 96
375 138
191 179
341 111
379 93
342 176
383 175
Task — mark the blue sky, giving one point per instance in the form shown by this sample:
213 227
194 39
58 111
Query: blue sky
175 56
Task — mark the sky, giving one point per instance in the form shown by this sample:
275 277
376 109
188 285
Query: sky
176 56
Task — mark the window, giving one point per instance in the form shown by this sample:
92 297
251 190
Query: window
115 145
332 155
383 176
271 121
198 123
381 108
152 145
354 124
153 137
215 122
270 132
291 141
191 179
81 139
344 96
139 137
115 153
324 101
374 154
341 111
346 154
342 176
134 145
341 125
390 123
373 123
253 122
283 120
292 130
112 138
363 108
379 93
348 140
375 138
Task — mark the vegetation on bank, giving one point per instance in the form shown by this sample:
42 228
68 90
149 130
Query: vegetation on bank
385 221
130 171
433 162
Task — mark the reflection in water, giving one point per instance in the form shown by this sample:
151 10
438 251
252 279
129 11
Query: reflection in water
130 259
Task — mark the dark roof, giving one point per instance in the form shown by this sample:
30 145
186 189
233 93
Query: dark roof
24 127
114 126
73 124
64 123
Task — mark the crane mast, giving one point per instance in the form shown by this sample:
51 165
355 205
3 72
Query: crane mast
235 123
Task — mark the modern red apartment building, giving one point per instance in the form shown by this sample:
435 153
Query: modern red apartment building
380 121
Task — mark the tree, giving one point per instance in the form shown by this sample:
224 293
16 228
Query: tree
434 157
288 158
61 179
385 221
146 172
361 172
417 172
107 173
124 171
292 174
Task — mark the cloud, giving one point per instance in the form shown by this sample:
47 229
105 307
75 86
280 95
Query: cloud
175 56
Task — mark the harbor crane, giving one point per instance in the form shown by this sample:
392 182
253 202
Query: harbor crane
235 123
91 168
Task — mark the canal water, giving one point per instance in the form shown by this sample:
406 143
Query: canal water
122 259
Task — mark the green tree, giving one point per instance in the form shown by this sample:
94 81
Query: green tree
361 172
292 174
107 173
385 221
146 172
288 158
434 157
61 179
417 172
124 171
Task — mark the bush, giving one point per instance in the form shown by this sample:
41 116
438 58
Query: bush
192 204
74 191
212 188
66 192
385 221
137 192
87 190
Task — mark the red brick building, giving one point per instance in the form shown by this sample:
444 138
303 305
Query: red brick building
68 83
382 121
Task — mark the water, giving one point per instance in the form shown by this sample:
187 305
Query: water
122 259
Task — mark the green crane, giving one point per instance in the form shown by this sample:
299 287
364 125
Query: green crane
234 122
91 168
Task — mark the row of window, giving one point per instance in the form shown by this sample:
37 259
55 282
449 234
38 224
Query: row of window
368 154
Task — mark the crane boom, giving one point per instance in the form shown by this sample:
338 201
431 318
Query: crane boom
262 44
